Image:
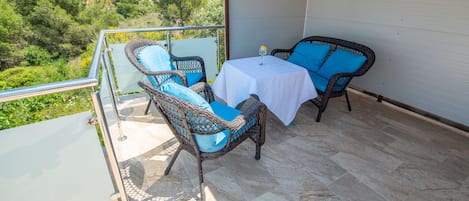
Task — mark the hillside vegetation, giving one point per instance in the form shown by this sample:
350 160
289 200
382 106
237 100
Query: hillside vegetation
44 41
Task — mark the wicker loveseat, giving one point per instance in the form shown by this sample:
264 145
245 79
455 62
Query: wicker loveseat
331 64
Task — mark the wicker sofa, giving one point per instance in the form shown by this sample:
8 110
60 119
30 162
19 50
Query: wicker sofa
331 64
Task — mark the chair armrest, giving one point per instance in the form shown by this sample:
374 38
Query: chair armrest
204 90
333 81
281 53
250 108
168 75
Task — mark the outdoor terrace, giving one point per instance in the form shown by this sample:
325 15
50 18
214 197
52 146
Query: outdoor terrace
375 152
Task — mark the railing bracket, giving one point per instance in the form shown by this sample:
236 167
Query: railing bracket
93 121
115 196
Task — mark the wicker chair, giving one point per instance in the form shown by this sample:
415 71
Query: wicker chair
184 66
186 119
337 84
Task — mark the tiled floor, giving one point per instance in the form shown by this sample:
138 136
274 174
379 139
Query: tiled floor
375 152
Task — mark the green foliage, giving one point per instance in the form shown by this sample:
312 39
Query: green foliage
40 108
34 109
134 8
25 7
11 28
178 12
99 16
212 14
73 7
35 55
55 30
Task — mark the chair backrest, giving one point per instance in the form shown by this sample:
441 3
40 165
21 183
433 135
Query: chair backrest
148 57
341 83
336 43
183 117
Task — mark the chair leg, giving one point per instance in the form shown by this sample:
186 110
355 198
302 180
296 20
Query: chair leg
321 108
148 107
168 168
258 145
318 117
201 180
348 102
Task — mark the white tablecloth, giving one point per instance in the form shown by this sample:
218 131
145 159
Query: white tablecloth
282 86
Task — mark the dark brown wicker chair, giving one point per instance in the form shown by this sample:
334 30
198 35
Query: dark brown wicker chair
186 119
337 84
184 65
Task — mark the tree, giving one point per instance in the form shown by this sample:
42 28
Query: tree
134 8
11 31
25 7
54 29
178 12
212 14
73 7
99 16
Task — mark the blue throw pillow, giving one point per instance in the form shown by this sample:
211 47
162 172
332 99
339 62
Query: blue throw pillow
341 61
309 55
186 94
193 78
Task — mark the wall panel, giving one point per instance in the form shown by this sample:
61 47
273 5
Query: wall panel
275 23
422 49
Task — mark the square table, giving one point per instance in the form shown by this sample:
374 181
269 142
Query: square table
282 86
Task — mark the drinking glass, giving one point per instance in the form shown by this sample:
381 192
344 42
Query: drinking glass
262 52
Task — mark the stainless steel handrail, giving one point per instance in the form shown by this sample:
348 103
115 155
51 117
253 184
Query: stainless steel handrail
162 29
25 92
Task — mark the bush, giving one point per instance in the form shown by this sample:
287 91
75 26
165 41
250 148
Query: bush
35 55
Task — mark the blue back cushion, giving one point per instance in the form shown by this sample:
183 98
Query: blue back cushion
207 143
155 58
193 78
186 94
341 61
309 55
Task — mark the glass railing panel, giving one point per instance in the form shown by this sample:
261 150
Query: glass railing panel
127 76
58 159
206 42
202 47
107 99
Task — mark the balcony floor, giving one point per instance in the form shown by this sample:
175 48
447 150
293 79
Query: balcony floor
375 152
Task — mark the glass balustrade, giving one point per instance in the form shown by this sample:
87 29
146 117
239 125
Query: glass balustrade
61 159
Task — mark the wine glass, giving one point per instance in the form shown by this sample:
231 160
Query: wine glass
262 52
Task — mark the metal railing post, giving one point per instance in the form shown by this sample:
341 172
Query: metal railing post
112 159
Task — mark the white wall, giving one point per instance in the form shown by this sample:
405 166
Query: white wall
275 23
421 46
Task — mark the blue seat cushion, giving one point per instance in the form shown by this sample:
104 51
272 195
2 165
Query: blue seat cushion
193 78
341 61
155 58
207 143
309 55
320 82
216 142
